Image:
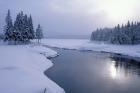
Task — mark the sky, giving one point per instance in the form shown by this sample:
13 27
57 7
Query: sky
73 17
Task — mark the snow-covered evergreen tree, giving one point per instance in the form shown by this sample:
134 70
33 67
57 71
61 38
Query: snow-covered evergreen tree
22 30
8 29
24 26
125 34
31 28
19 26
39 33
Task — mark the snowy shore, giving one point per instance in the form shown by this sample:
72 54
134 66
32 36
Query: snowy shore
22 69
85 44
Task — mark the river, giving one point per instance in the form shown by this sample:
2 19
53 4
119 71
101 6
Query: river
94 72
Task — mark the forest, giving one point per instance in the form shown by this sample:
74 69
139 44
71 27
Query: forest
124 34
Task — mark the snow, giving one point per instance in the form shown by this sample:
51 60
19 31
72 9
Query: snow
65 43
22 66
84 44
22 69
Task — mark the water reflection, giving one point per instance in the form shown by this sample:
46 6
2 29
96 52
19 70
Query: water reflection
122 68
113 70
87 72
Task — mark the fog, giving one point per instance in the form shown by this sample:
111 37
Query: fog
60 18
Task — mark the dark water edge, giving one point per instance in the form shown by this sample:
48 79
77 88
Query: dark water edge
95 72
136 59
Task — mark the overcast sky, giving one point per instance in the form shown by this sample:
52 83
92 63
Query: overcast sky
59 17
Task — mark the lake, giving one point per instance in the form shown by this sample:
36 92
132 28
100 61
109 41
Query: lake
94 72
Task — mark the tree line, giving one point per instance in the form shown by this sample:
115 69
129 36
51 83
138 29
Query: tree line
124 34
21 30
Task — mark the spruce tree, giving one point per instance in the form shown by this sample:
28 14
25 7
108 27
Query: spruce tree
125 34
8 30
39 33
22 31
21 26
31 28
26 33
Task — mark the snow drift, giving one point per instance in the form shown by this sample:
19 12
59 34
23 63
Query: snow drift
22 67
84 44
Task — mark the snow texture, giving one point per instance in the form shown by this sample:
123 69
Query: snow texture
22 69
83 44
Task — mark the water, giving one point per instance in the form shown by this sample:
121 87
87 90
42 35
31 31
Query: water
91 72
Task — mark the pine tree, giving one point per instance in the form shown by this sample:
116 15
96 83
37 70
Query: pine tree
17 28
39 33
22 31
8 30
26 31
22 27
126 34
31 28
92 36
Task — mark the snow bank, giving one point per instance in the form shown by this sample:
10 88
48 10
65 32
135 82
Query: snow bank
129 50
22 70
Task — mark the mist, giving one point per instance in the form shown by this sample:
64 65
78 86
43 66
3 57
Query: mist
71 17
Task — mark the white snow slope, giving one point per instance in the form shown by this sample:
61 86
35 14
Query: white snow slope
22 69
83 44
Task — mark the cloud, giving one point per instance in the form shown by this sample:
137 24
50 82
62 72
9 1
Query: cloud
73 16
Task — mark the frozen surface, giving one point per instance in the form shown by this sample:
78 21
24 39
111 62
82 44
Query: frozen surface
83 44
22 69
